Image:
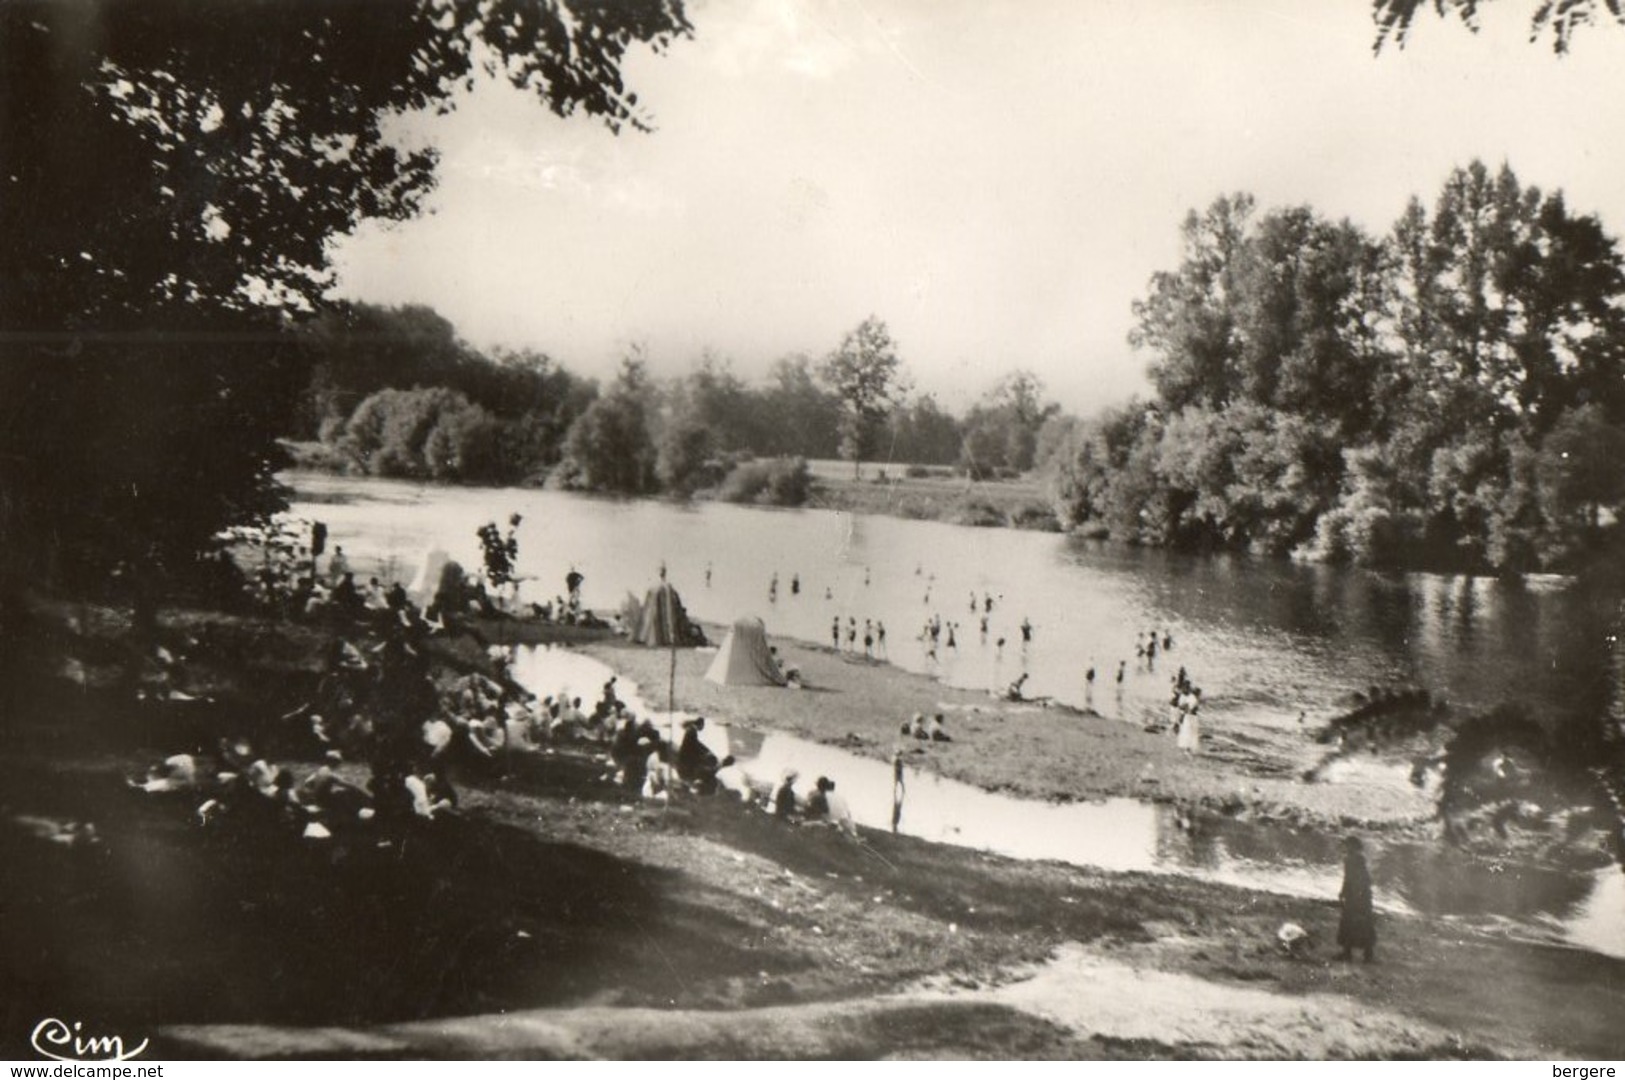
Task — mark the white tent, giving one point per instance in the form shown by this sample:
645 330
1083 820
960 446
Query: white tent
423 586
744 659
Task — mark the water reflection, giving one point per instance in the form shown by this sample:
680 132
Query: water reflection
1128 835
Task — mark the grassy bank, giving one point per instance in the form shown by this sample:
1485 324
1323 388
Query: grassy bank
934 494
555 915
1024 749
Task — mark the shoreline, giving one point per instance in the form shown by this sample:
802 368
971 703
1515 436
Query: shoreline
1051 753
552 882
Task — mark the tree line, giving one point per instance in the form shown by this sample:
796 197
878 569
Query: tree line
395 392
1449 394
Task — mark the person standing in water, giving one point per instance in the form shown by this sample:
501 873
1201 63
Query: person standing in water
795 584
1026 631
1089 685
835 633
880 639
1357 928
707 575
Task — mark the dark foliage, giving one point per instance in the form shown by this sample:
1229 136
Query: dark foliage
1449 395
174 174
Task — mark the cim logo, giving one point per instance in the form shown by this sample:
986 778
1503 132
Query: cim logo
58 1041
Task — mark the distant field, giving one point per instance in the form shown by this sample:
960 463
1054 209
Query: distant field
942 496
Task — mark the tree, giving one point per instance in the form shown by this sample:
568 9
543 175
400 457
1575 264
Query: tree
609 447
866 376
1558 18
501 555
1001 431
175 172
1582 470
924 433
803 416
1188 320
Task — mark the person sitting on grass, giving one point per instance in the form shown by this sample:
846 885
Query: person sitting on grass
624 744
429 795
827 808
938 733
818 800
783 800
178 772
328 798
730 778
694 759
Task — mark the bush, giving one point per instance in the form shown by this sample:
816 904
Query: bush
315 456
980 513
1037 516
429 434
769 482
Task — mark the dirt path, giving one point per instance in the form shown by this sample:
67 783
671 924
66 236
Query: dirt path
1080 1004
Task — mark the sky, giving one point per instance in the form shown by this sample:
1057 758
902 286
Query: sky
995 179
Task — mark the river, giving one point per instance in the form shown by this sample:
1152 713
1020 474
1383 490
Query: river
1264 638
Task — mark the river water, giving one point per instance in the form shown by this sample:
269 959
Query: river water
1586 910
1264 638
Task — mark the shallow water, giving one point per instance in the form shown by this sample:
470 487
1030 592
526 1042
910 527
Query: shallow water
1264 638
1587 910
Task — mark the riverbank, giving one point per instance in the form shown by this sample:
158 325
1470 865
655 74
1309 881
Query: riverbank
935 494
557 916
1026 749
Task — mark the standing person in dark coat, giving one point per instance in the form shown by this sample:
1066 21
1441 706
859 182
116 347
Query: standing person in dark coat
1357 929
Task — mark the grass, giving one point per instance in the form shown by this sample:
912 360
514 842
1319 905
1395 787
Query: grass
558 916
887 489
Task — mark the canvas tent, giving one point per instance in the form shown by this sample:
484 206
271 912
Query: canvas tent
660 620
423 586
744 659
